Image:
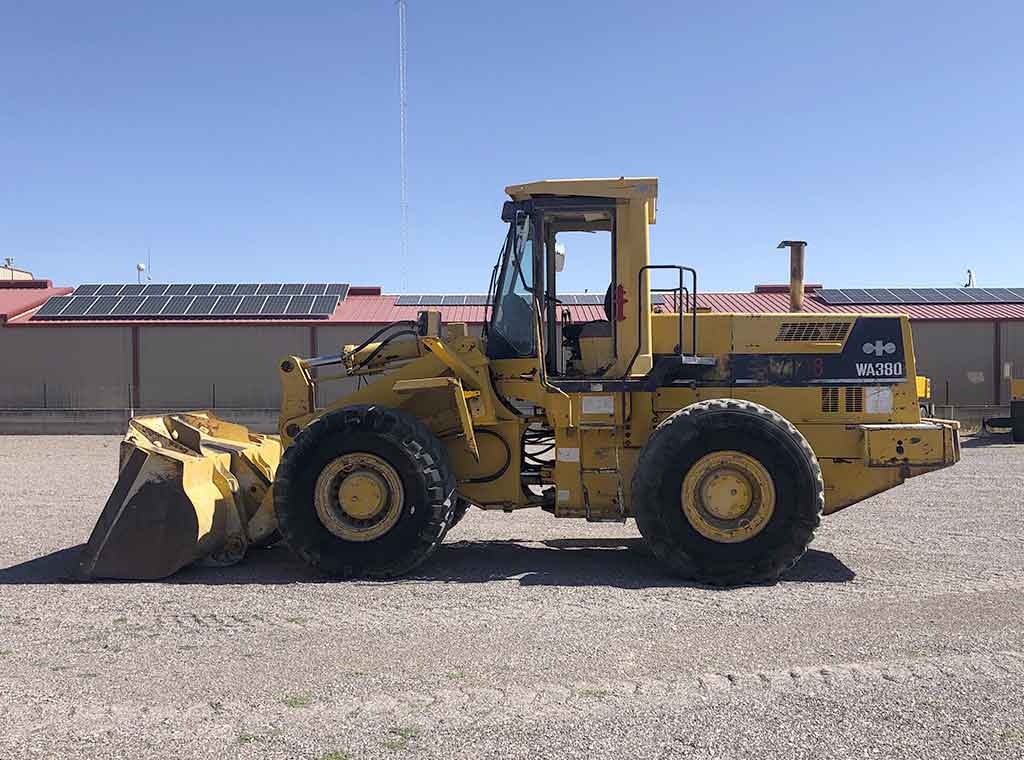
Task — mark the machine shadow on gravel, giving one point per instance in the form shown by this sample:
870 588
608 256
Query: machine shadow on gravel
986 439
614 562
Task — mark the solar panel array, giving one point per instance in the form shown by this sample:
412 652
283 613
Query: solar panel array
577 299
453 299
919 295
186 301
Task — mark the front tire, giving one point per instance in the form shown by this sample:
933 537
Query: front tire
727 492
364 491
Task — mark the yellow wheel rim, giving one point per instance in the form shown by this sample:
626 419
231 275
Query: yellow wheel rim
358 497
728 496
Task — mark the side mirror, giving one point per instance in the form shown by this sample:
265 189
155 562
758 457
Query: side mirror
559 257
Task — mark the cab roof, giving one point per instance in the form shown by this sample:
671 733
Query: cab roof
609 187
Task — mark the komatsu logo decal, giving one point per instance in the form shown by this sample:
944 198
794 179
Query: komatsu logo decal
879 348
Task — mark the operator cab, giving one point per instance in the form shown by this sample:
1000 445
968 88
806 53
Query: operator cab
526 289
605 334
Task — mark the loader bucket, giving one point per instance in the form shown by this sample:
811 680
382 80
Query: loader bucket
191 487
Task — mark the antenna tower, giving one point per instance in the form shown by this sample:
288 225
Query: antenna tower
402 51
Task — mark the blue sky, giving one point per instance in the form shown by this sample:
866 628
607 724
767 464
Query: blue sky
258 141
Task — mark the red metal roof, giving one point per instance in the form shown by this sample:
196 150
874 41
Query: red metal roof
19 296
382 309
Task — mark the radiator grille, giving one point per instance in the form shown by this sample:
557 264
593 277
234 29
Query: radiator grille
830 399
816 332
854 400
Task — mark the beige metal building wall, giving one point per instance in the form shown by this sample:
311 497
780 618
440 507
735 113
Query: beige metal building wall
960 354
227 366
234 366
180 366
65 367
9 273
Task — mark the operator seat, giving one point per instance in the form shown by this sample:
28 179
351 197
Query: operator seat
596 328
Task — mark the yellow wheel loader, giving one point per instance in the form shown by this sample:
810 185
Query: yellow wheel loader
725 436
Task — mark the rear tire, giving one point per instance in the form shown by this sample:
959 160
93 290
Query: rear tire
414 475
751 433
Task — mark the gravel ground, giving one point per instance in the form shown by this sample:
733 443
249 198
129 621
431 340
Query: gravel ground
899 635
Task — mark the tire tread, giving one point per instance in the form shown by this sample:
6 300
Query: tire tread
424 449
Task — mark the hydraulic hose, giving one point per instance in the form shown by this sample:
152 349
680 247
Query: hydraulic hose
380 348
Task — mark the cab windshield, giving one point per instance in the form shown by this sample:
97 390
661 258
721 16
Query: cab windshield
511 332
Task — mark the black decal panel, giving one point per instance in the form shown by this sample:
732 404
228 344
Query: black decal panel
873 355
